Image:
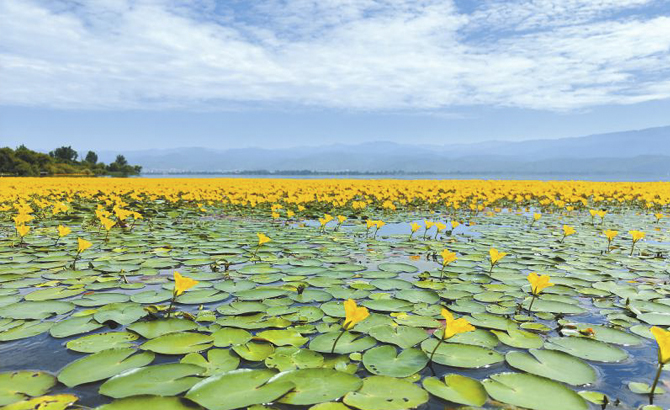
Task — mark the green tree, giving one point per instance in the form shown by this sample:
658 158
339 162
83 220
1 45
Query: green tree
91 157
66 154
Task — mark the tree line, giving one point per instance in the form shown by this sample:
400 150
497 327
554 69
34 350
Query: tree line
61 161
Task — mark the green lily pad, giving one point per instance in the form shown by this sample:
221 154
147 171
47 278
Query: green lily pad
385 360
386 393
553 364
348 343
19 385
282 337
229 336
161 380
149 402
156 328
254 352
241 388
179 343
291 358
102 341
316 385
56 402
457 389
102 365
218 361
24 330
459 355
35 310
588 349
532 392
74 326
403 336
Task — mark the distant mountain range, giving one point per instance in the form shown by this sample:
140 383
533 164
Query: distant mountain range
640 152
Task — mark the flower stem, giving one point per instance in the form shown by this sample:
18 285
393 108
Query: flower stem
653 386
632 248
531 304
435 350
337 340
174 296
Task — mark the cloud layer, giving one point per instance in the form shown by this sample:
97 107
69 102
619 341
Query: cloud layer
351 54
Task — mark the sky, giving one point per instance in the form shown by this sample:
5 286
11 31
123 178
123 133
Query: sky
148 74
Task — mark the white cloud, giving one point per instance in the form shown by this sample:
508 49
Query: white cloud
350 54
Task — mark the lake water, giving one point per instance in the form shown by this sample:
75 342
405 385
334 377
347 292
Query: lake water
513 176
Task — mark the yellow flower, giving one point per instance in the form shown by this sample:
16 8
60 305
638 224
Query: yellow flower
440 226
538 283
601 214
182 283
429 224
341 218
327 217
63 231
83 244
663 339
568 230
301 208
275 215
370 223
353 314
415 227
290 214
537 216
496 256
637 235
262 239
379 224
453 327
455 224
107 223
448 257
22 230
610 234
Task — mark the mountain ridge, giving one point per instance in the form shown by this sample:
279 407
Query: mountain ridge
648 148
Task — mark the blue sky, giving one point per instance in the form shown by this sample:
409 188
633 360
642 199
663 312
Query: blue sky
115 74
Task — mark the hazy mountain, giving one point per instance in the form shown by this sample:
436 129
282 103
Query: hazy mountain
641 152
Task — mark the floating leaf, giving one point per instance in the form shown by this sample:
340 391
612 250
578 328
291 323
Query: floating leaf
385 360
386 393
161 380
457 389
19 385
179 343
241 388
102 365
532 392
316 385
554 365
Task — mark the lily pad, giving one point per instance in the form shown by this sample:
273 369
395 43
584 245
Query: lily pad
385 360
316 385
102 365
161 380
241 388
532 392
386 393
19 385
553 364
179 343
457 389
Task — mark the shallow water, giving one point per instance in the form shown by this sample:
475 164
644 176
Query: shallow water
43 352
